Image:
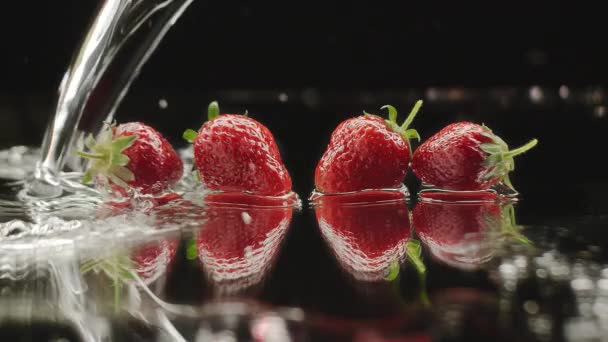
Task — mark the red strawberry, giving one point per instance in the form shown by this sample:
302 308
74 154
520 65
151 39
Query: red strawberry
241 237
367 152
132 156
465 156
367 231
464 234
237 153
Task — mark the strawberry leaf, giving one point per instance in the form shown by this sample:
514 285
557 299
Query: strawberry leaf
120 160
412 134
123 173
393 271
403 130
107 158
491 148
392 112
499 161
122 143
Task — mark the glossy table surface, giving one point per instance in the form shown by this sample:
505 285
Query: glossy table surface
379 266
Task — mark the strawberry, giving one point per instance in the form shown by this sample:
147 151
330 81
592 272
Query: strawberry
367 152
132 156
237 153
464 234
241 237
367 231
465 156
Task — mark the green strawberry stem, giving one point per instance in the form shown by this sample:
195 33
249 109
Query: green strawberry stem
119 269
510 227
413 250
424 296
507 181
499 161
107 157
521 149
189 135
90 155
412 115
191 250
403 130
213 111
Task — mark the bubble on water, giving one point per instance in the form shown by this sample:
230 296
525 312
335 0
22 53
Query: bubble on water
531 307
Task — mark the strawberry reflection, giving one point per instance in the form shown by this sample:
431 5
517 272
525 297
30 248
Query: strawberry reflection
367 231
153 259
142 265
462 232
240 238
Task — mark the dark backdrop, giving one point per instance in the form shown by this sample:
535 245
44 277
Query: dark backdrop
233 43
534 69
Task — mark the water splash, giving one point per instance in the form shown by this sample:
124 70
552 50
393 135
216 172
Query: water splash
96 65
17 162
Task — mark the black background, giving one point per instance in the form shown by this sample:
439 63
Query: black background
219 44
335 59
329 61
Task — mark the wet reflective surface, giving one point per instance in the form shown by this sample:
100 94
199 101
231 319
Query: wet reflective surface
226 267
238 267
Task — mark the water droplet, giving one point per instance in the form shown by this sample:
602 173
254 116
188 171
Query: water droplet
311 97
432 94
599 112
246 217
163 104
564 92
536 94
